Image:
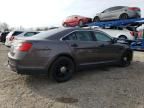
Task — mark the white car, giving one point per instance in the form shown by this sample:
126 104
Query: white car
18 34
118 32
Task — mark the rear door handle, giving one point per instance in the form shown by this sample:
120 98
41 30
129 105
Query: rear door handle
74 45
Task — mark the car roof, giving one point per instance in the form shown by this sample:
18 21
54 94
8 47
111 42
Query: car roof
56 34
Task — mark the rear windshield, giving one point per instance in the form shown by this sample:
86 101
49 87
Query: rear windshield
17 33
131 28
46 34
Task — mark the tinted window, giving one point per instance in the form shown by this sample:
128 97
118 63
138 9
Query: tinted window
71 36
114 8
4 34
17 33
47 34
118 7
84 36
131 28
102 37
30 34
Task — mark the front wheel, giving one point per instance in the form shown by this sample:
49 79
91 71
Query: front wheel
126 59
62 69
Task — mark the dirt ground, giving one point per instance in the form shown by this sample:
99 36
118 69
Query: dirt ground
106 87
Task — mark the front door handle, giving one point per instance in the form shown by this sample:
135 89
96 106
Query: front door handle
102 45
74 45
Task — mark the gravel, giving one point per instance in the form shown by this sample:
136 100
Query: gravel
104 87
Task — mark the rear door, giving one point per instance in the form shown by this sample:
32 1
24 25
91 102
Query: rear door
116 12
83 46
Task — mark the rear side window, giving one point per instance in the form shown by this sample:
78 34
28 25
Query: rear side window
114 8
80 36
71 36
102 37
30 34
84 36
17 33
115 28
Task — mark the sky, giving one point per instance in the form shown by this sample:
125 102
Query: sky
47 13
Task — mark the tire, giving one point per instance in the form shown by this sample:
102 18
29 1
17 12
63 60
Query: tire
124 16
65 25
62 69
123 37
81 23
126 59
96 19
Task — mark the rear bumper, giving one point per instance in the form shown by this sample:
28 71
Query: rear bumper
15 66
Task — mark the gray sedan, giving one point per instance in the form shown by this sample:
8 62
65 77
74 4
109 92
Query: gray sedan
60 52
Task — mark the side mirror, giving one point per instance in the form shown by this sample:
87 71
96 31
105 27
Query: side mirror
114 40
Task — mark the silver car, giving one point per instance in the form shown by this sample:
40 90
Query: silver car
14 35
118 12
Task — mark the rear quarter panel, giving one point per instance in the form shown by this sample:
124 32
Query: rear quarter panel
43 53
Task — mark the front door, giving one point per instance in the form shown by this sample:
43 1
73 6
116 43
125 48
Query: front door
108 50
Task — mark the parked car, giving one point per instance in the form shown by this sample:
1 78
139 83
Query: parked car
10 37
17 34
60 52
118 12
140 30
76 20
124 33
3 36
26 34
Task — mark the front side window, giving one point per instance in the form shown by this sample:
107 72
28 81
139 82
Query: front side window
102 37
115 8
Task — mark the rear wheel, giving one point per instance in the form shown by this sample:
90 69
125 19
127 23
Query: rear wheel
62 69
81 23
124 16
65 25
96 19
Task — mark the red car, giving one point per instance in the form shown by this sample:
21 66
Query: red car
76 20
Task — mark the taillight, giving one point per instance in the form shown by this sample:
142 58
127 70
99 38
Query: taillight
134 8
140 34
11 38
25 46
